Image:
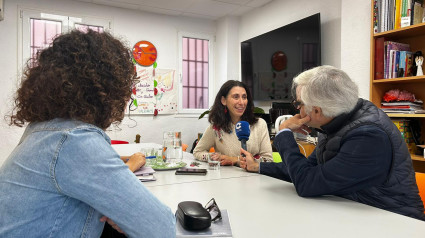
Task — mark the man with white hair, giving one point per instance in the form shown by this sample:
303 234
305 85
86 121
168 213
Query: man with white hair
360 155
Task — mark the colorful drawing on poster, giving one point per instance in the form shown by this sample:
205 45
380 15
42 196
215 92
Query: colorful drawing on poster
154 94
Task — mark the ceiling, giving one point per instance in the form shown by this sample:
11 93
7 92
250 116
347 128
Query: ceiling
208 9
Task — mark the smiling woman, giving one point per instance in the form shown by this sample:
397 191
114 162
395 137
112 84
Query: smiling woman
233 103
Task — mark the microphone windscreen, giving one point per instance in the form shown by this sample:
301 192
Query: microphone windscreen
242 130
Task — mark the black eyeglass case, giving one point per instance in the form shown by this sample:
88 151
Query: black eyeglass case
193 216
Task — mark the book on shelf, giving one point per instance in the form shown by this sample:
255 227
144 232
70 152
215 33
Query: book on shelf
404 63
400 111
405 13
409 63
405 107
396 64
392 46
397 19
379 57
418 11
417 103
375 16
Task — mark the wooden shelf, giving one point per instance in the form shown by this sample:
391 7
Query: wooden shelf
414 36
417 157
414 79
409 31
406 115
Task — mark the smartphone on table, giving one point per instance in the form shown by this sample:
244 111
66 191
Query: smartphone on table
191 171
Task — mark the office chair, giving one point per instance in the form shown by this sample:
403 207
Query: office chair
420 181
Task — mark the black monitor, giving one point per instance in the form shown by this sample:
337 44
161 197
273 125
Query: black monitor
270 61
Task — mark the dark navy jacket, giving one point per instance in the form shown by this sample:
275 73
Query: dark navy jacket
360 156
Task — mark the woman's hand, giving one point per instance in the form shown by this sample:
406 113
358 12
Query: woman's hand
135 162
227 160
247 162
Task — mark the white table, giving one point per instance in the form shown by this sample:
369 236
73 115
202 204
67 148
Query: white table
261 206
167 177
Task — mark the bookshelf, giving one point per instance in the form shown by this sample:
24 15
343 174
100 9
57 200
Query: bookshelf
414 36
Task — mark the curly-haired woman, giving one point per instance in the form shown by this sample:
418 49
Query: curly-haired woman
64 178
233 103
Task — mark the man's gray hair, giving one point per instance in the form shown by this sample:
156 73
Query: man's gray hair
326 87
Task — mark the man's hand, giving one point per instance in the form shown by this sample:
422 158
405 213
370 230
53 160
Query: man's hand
297 124
112 223
248 163
136 161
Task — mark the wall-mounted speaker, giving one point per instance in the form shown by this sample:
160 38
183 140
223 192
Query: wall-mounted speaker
1 10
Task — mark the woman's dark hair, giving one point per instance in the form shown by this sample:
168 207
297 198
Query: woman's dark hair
222 120
81 76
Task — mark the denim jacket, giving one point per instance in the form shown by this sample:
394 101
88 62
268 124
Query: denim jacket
63 176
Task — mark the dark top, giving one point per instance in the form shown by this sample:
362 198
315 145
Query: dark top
360 155
359 164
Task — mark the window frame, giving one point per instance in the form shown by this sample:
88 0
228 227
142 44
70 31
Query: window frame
211 95
67 20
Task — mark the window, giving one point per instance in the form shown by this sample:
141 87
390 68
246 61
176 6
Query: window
42 32
196 73
38 29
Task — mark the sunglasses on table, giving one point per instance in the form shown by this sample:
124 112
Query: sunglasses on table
213 209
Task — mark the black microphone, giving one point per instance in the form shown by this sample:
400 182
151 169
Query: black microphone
242 132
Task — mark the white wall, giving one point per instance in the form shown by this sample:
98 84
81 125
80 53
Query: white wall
345 28
345 44
355 42
130 25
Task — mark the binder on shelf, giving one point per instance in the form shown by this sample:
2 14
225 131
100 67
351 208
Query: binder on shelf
379 57
397 20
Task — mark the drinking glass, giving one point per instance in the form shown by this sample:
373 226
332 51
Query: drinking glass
172 152
149 152
213 162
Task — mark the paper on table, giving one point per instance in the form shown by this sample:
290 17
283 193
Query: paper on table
144 171
146 178
220 228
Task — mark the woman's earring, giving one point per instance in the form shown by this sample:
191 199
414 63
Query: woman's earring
225 109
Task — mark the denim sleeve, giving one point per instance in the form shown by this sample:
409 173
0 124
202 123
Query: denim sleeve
89 169
363 160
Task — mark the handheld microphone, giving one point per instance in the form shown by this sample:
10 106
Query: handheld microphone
242 132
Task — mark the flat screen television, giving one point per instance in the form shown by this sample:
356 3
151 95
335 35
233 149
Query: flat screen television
270 61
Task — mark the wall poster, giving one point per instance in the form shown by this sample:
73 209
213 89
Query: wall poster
155 93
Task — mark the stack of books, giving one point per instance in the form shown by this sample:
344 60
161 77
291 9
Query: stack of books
392 59
404 107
